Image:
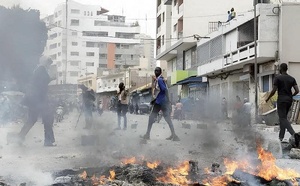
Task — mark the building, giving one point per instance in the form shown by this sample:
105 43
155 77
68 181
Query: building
147 60
89 38
227 58
179 24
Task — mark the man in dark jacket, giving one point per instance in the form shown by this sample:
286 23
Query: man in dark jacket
284 84
161 102
88 98
36 100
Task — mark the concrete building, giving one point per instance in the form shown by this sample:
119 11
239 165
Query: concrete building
179 24
89 39
227 58
147 60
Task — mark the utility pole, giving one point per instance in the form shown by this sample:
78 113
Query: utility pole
66 63
255 61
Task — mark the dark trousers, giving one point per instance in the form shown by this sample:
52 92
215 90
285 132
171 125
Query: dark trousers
283 109
47 114
121 112
166 113
88 116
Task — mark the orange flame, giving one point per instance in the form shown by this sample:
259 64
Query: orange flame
83 175
153 165
177 175
129 160
268 169
112 175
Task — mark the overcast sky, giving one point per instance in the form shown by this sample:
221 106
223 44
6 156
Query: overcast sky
132 9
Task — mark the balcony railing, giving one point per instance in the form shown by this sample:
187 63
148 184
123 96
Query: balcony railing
242 54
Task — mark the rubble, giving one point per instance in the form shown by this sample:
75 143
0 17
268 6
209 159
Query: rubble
295 153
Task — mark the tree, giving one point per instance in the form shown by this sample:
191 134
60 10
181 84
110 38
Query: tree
23 38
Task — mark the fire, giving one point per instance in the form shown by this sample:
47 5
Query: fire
219 181
129 160
153 165
231 166
268 169
83 175
112 175
177 175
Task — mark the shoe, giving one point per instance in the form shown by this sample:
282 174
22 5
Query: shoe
50 144
145 137
175 138
170 138
118 128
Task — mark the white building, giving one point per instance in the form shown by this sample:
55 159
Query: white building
179 23
147 60
89 39
227 58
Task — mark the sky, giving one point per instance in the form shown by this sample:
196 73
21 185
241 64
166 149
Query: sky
132 9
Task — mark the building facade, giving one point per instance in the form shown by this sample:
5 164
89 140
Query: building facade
180 23
82 38
227 58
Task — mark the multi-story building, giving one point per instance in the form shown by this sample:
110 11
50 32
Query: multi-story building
179 24
147 60
82 38
227 58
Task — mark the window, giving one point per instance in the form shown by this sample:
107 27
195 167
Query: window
98 12
74 53
90 44
175 27
52 36
53 46
102 56
91 13
75 11
74 63
175 2
102 65
90 54
163 17
85 13
74 74
88 13
118 56
131 57
90 64
95 34
266 83
74 44
163 40
74 33
74 22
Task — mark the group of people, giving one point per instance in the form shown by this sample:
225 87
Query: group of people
38 104
231 14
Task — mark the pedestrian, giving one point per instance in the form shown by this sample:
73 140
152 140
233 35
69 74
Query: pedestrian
178 111
36 99
122 106
88 98
224 108
233 14
229 16
284 83
161 101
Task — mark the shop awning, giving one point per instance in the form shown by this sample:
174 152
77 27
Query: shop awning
144 87
192 79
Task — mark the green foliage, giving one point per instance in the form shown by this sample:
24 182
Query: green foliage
23 37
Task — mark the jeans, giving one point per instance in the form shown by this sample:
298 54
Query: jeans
34 111
122 111
166 109
283 109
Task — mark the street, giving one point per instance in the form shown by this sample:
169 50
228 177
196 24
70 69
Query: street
206 143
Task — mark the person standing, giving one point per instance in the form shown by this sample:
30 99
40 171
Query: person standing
122 106
284 83
36 99
161 102
88 98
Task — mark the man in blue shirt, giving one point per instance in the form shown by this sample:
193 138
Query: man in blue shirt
161 102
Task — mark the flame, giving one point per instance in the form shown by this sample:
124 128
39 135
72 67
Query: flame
177 175
268 169
153 165
112 175
83 175
129 160
231 166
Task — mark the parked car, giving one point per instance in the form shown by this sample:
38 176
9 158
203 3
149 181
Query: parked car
145 108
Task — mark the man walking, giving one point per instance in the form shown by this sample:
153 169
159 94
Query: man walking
88 98
36 100
122 106
161 102
284 83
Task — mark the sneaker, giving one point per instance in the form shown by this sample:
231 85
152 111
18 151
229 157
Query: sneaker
170 138
175 138
50 144
145 137
118 128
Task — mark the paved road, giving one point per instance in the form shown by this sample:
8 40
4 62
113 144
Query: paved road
32 162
